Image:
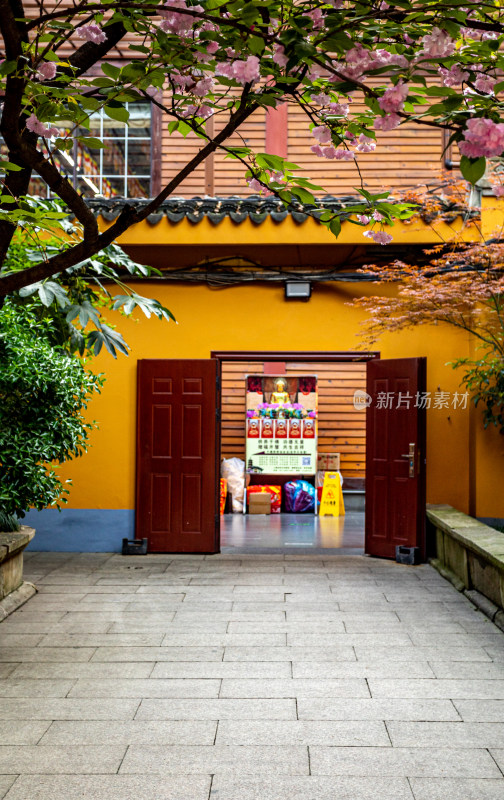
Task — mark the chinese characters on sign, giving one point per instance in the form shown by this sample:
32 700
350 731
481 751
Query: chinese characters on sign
281 424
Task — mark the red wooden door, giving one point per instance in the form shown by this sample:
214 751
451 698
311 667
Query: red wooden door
395 457
177 456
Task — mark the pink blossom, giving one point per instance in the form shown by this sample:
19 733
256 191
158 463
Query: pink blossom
407 39
203 87
394 97
91 33
196 111
366 144
485 84
279 56
184 81
316 148
363 219
387 123
317 18
341 109
36 126
178 23
212 48
335 3
314 73
437 44
47 70
322 134
331 153
254 184
378 237
453 76
498 191
242 71
344 155
320 99
482 137
377 216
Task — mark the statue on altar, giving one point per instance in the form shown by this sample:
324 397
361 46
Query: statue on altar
280 396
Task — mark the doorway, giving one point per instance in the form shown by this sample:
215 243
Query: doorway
341 430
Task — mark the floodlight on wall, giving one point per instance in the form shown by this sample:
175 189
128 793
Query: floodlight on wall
297 290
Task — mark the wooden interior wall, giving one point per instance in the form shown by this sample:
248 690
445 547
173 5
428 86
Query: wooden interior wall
341 428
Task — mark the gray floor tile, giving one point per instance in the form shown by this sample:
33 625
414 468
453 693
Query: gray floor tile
457 789
128 732
446 734
407 762
303 732
222 669
289 760
466 689
19 639
102 640
172 687
22 732
467 670
90 669
10 687
361 709
362 669
110 787
305 788
223 640
59 760
158 654
330 653
65 708
27 654
294 688
405 653
217 709
6 782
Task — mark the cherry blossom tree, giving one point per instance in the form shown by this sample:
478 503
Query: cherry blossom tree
435 62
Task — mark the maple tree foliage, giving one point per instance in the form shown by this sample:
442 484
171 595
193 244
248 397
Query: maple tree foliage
463 288
438 63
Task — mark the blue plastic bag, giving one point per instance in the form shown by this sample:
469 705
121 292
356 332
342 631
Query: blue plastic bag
299 496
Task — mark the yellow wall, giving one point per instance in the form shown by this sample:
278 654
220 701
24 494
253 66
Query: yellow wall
256 317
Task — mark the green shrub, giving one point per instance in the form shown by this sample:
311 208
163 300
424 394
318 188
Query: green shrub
43 394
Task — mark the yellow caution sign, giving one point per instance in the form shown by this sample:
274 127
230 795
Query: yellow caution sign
331 503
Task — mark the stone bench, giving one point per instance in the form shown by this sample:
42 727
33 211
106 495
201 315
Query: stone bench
471 556
13 590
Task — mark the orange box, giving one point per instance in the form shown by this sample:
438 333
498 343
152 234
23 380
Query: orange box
328 462
275 493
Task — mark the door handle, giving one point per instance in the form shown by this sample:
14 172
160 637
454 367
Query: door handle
411 458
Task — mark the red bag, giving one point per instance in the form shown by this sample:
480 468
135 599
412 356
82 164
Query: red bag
276 496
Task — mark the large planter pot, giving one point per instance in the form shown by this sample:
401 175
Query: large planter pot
13 590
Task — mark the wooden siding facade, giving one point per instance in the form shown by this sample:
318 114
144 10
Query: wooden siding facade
341 428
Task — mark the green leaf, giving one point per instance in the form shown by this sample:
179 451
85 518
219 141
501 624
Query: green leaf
472 168
111 70
118 113
8 166
335 226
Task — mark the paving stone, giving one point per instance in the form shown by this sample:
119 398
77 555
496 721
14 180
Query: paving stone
388 639
101 640
65 708
283 626
466 669
10 687
224 640
138 732
90 670
6 782
457 789
466 689
145 688
7 669
19 639
73 588
217 709
23 732
289 760
339 653
27 654
422 653
226 787
362 669
110 787
408 762
294 688
372 708
446 734
222 669
54 760
303 732
157 654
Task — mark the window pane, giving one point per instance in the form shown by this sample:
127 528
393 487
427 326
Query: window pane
37 187
139 120
113 187
138 187
113 157
139 156
88 187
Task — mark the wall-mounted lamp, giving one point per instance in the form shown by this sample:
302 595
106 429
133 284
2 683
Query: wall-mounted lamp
297 290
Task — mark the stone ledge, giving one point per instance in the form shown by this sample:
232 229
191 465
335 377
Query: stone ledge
16 599
471 556
11 560
14 542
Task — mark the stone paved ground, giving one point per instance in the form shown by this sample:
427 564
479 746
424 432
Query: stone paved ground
248 678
